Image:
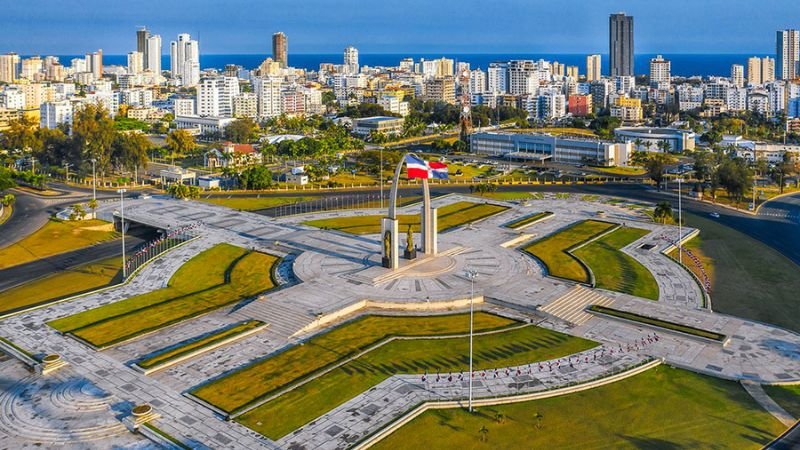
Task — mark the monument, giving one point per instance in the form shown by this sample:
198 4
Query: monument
420 169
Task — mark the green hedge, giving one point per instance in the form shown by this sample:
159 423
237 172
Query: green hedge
658 323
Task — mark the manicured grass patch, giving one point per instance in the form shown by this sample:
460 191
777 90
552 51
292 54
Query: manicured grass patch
615 270
17 347
449 216
620 171
743 274
166 436
60 285
553 250
519 223
506 196
250 383
192 345
311 400
220 276
787 396
56 237
662 408
6 214
254 203
658 323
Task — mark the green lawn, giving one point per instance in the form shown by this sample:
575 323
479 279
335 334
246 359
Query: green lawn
521 222
552 250
221 275
662 408
658 323
449 216
743 274
620 171
506 196
615 270
56 237
304 404
60 285
259 379
254 203
786 396
191 345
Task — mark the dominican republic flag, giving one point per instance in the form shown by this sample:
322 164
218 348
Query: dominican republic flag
417 168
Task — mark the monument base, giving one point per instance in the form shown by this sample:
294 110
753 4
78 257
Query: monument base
412 254
386 262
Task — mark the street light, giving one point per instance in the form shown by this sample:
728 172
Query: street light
381 172
66 168
94 179
471 274
122 227
680 223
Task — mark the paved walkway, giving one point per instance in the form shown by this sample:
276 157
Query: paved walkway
329 266
757 392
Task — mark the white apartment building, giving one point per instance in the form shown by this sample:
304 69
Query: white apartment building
268 91
153 62
736 99
245 104
497 78
625 84
136 97
183 107
689 97
351 60
737 75
215 96
135 63
660 72
477 82
593 67
12 98
185 60
394 105
52 114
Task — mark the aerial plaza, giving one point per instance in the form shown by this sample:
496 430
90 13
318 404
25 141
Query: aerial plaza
481 321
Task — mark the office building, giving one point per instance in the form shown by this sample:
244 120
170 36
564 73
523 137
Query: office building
141 44
737 75
280 49
378 124
593 67
620 45
787 58
544 147
351 60
153 54
660 72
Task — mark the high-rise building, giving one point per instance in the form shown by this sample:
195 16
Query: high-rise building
593 67
31 68
185 60
620 45
477 81
215 96
94 63
153 58
142 35
572 72
737 75
280 49
754 71
351 60
557 69
767 69
9 70
660 72
787 56
135 63
268 91
53 114
497 78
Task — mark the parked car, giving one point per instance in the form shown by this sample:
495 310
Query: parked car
714 215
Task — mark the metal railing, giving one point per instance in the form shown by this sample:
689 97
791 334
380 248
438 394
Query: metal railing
152 249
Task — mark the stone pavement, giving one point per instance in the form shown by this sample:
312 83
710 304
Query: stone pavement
325 271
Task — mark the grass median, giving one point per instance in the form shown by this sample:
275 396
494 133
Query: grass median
788 396
527 220
70 282
662 408
56 237
189 346
448 216
615 270
254 203
220 276
502 349
658 323
255 381
552 250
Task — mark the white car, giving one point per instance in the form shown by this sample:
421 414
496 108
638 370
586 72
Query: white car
714 215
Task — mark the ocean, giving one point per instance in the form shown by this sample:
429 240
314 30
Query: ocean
682 64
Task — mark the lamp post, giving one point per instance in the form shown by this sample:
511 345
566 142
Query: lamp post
122 227
94 179
381 176
471 274
66 174
680 222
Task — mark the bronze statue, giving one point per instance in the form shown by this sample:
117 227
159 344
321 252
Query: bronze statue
387 249
410 252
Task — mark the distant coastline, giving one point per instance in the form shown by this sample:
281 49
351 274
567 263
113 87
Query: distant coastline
685 64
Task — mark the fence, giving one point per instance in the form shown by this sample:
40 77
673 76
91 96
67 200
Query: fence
149 250
339 202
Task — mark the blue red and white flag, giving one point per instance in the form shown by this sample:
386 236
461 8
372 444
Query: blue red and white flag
417 168
438 170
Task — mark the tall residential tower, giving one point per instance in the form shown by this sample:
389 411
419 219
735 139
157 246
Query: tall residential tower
280 49
620 45
787 58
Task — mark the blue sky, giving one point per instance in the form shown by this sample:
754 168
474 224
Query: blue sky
396 26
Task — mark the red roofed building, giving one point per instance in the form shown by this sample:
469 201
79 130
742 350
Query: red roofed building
232 155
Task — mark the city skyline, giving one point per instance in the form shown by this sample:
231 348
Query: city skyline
535 27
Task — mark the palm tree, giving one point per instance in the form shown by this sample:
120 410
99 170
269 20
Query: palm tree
499 417
93 206
663 213
484 433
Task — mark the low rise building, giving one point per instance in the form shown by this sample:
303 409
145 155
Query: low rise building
378 124
542 147
653 139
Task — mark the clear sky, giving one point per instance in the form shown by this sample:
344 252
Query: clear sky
396 26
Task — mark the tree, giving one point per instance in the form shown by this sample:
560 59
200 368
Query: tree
180 142
787 167
663 213
182 191
735 177
93 133
130 150
241 131
6 180
78 212
21 134
8 200
93 206
656 164
255 177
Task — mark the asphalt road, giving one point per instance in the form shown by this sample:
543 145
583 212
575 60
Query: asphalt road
23 273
